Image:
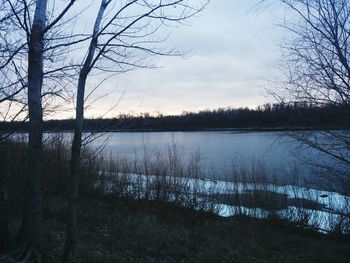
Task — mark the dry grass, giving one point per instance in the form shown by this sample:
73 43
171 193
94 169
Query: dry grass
152 218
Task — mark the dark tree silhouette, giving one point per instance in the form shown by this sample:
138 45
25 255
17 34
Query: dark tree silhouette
318 64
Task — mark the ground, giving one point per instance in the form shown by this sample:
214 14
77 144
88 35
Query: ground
124 230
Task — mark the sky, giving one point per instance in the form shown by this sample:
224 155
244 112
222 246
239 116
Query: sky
232 56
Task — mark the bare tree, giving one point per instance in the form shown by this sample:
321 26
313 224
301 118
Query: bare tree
29 36
123 38
32 223
318 63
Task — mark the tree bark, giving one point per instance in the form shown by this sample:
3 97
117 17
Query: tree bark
32 214
73 198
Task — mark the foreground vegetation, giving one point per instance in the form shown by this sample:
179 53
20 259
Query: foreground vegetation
125 219
124 230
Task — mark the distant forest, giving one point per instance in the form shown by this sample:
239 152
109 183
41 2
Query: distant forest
268 116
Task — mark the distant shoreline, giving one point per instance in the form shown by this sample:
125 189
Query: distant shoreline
267 118
253 129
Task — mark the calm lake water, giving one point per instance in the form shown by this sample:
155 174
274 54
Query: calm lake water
219 149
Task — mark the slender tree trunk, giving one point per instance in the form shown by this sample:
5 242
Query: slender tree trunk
32 218
73 199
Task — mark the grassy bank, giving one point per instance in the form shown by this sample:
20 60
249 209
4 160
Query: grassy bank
158 209
125 230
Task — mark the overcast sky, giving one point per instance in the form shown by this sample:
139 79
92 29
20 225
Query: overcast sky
232 56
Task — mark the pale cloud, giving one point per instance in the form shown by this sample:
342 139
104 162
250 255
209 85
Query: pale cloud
233 54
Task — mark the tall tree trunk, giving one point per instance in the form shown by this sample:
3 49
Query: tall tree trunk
74 180
73 199
32 217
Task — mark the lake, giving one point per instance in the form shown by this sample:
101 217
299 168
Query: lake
219 150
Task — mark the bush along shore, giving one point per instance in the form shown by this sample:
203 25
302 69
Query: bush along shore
159 208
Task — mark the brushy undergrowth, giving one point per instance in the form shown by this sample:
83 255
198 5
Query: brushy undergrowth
127 230
150 209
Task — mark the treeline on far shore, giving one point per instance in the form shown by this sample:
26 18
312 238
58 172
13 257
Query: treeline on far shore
268 116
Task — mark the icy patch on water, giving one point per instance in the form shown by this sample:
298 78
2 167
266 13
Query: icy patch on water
334 209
